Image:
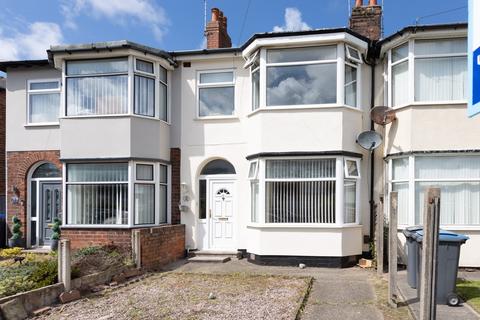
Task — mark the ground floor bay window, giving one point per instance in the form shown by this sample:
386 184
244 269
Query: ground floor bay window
305 191
457 176
116 194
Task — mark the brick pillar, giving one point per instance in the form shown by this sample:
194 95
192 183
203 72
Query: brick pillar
2 161
367 20
216 31
175 157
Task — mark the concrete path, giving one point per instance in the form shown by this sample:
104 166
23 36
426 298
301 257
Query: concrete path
336 293
444 312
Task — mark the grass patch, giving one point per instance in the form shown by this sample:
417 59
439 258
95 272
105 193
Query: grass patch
470 292
389 313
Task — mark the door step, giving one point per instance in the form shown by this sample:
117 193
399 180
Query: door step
209 259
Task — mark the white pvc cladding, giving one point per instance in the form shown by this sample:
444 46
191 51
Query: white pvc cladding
156 85
305 191
347 56
116 193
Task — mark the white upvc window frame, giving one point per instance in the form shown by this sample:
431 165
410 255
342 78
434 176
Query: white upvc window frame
131 72
31 92
132 180
349 56
357 88
412 180
411 57
255 172
153 183
339 192
251 64
216 85
357 163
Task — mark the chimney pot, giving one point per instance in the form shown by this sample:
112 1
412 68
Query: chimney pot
372 3
358 3
215 14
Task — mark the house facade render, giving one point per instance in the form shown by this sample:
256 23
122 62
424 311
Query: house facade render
249 149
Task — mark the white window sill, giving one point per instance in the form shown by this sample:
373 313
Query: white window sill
303 107
45 124
301 226
430 104
100 116
216 118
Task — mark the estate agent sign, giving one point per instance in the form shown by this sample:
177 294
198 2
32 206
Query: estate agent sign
474 57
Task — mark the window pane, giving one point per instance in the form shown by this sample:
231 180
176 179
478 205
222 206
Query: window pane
97 66
252 173
350 86
300 169
400 84
93 172
352 169
460 202
163 102
144 66
97 95
216 77
350 188
145 172
202 200
144 203
298 85
400 169
400 52
302 54
402 189
33 233
216 101
163 205
300 202
163 74
163 174
44 85
144 96
44 107
33 199
47 170
97 204
254 201
441 79
444 46
352 52
255 90
447 167
218 166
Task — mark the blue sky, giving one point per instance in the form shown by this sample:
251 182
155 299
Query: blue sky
28 27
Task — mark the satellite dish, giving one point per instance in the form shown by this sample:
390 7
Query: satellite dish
369 140
382 115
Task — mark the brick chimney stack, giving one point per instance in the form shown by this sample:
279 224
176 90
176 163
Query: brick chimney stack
367 20
216 31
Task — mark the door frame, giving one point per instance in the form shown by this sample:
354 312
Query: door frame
228 178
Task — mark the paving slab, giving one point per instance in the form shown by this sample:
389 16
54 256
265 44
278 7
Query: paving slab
342 311
336 291
444 312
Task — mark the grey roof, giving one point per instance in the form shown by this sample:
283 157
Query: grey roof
22 63
425 27
109 46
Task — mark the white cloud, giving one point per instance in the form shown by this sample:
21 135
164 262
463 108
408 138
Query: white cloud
122 12
31 44
293 21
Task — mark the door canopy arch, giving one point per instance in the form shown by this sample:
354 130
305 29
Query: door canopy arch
218 166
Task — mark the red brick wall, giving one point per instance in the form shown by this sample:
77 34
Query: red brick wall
175 157
19 164
162 245
367 21
2 142
216 31
80 238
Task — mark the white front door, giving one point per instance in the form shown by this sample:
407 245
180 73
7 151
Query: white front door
222 217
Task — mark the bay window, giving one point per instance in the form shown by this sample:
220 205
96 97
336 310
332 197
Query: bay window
216 94
43 101
458 178
116 86
99 194
304 191
428 71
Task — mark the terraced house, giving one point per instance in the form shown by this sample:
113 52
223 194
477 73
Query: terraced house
249 148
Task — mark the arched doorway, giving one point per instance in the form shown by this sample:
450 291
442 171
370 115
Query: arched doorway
216 214
44 202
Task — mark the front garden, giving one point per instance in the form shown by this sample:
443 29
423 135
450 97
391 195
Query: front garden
20 271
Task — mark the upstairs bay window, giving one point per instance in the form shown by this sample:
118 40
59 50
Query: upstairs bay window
428 71
304 191
43 101
216 94
116 86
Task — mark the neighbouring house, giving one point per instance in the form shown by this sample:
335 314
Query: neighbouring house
2 163
249 148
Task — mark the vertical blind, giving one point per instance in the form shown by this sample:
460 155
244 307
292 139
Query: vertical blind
300 191
254 200
350 86
350 194
144 96
144 203
44 107
400 84
97 193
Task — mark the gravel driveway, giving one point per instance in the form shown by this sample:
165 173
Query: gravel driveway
186 296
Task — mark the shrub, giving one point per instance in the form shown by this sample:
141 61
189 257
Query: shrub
87 251
56 229
45 273
16 229
10 252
